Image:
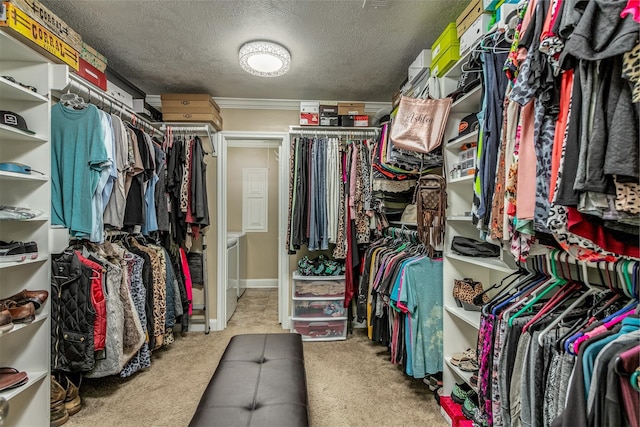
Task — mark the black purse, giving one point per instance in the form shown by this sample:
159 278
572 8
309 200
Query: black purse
475 248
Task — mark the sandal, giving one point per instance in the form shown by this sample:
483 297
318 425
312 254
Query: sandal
468 354
469 366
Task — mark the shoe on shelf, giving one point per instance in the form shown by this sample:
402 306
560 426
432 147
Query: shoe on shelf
461 392
468 354
58 412
5 322
12 252
25 313
468 366
71 384
37 297
12 378
470 406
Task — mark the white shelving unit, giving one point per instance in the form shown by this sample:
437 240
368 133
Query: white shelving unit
460 327
27 346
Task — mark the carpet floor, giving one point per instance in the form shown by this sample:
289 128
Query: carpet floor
350 383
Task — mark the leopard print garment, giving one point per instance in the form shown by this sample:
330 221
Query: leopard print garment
186 173
627 196
497 204
361 219
631 71
340 251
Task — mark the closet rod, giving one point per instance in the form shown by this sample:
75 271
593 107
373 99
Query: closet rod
77 85
206 128
325 131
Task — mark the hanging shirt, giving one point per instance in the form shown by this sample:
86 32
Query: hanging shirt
78 156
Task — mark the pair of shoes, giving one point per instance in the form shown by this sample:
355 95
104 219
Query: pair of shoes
437 394
65 397
433 381
37 297
18 251
12 378
25 313
471 411
468 354
469 366
461 392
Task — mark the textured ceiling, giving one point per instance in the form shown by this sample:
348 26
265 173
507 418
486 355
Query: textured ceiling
339 50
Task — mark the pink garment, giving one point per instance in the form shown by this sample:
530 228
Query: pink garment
600 329
526 189
353 172
633 9
187 279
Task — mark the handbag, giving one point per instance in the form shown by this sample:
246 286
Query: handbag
419 123
474 248
410 214
431 201
465 292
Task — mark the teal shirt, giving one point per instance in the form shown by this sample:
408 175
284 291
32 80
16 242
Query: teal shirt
78 155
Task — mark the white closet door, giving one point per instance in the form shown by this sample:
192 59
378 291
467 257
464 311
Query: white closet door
255 192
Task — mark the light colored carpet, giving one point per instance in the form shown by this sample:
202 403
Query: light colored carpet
350 383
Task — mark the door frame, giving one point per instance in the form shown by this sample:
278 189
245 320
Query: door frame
255 140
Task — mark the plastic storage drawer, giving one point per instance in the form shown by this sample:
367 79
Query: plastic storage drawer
318 286
320 329
315 307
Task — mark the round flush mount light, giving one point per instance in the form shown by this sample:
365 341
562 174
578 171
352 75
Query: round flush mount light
265 59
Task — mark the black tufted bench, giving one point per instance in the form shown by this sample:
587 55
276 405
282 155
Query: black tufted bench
260 382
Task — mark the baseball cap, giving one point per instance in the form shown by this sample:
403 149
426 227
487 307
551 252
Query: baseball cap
467 125
10 118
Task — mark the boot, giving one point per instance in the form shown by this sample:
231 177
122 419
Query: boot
59 414
71 383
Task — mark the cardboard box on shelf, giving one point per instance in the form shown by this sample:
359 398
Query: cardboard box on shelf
469 15
445 40
328 115
309 119
350 108
39 13
91 74
446 60
93 57
37 36
475 32
361 121
119 94
180 102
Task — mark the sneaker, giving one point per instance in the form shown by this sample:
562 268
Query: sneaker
461 392
58 412
433 381
31 249
12 252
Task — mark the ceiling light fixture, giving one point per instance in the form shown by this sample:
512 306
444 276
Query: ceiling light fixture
265 59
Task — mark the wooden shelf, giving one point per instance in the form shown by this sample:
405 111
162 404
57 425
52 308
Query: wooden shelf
34 378
17 326
9 133
465 178
11 91
458 142
462 218
41 258
463 375
469 103
490 263
470 317
13 176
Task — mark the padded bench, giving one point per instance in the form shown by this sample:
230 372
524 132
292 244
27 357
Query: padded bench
259 382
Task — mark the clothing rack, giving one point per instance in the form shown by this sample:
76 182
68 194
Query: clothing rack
104 100
402 232
341 131
198 128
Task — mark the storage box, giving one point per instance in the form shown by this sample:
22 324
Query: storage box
321 329
146 110
309 113
119 94
214 119
39 13
319 308
93 57
467 161
360 121
446 60
475 32
452 409
503 12
328 115
92 74
318 286
191 102
465 423
468 16
443 42
350 108
37 36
